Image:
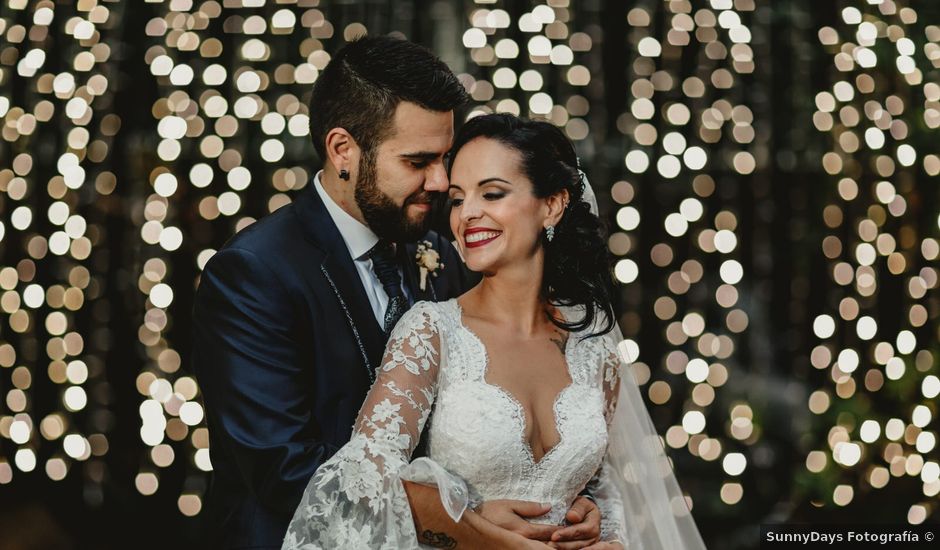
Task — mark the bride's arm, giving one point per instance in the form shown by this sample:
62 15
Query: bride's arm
358 499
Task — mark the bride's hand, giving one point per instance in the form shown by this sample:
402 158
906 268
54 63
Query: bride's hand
510 515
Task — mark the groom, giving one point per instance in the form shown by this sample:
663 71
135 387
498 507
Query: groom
292 314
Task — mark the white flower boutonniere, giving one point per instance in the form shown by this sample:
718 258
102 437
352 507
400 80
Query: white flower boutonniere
429 262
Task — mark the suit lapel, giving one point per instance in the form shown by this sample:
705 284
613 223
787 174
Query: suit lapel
341 273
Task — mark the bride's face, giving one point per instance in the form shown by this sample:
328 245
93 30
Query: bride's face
495 216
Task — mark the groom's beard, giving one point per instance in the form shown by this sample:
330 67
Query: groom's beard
386 219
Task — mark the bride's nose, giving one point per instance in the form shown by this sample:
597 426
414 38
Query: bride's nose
470 209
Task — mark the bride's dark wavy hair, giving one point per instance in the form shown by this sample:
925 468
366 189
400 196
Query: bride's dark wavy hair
577 264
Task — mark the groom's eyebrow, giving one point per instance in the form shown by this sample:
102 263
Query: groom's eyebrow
420 155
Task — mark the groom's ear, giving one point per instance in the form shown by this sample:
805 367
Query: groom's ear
342 151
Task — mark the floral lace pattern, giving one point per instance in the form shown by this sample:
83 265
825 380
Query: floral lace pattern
357 500
477 431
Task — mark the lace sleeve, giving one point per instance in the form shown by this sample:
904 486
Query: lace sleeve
356 499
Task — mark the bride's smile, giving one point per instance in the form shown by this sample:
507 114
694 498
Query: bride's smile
480 236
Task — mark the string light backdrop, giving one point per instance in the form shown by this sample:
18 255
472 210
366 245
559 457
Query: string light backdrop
691 144
768 171
58 135
881 115
530 65
226 102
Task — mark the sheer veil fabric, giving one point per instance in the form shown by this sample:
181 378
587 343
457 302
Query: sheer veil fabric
656 514
655 510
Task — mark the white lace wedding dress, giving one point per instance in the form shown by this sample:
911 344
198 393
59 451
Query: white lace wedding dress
477 448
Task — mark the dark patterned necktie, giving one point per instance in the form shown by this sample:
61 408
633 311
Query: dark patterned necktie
386 269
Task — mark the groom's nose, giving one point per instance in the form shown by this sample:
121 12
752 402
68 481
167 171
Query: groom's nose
436 178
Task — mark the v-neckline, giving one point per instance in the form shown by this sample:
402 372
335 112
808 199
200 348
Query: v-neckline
527 446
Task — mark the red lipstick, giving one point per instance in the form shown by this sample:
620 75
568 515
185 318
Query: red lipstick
480 236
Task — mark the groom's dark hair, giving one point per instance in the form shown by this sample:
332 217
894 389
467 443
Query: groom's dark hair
366 80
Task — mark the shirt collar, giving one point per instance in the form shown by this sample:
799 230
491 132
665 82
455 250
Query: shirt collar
358 237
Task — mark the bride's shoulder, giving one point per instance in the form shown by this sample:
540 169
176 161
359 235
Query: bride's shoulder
425 314
425 307
607 339
443 309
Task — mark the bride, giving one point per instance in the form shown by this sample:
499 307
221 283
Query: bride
531 400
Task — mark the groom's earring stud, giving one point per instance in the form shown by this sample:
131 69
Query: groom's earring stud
344 175
550 233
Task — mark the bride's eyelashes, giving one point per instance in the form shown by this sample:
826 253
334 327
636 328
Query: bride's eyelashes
454 202
491 196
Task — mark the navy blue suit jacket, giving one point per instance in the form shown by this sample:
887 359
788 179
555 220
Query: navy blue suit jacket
285 347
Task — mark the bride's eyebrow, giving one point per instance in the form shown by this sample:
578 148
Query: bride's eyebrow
491 180
481 183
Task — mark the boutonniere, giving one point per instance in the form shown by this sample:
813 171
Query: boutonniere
429 262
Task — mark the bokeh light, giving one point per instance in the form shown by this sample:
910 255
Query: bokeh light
767 173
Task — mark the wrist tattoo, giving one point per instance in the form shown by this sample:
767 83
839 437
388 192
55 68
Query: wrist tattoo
437 540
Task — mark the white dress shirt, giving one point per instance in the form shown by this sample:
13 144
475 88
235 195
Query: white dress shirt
359 241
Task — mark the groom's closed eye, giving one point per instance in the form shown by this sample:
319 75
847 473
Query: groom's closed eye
420 160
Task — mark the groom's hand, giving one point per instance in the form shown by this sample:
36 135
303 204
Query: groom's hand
511 514
474 532
584 526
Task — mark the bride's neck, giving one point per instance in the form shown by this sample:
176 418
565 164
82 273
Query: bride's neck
512 300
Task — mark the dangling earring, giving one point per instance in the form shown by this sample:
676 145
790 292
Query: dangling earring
344 175
550 233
